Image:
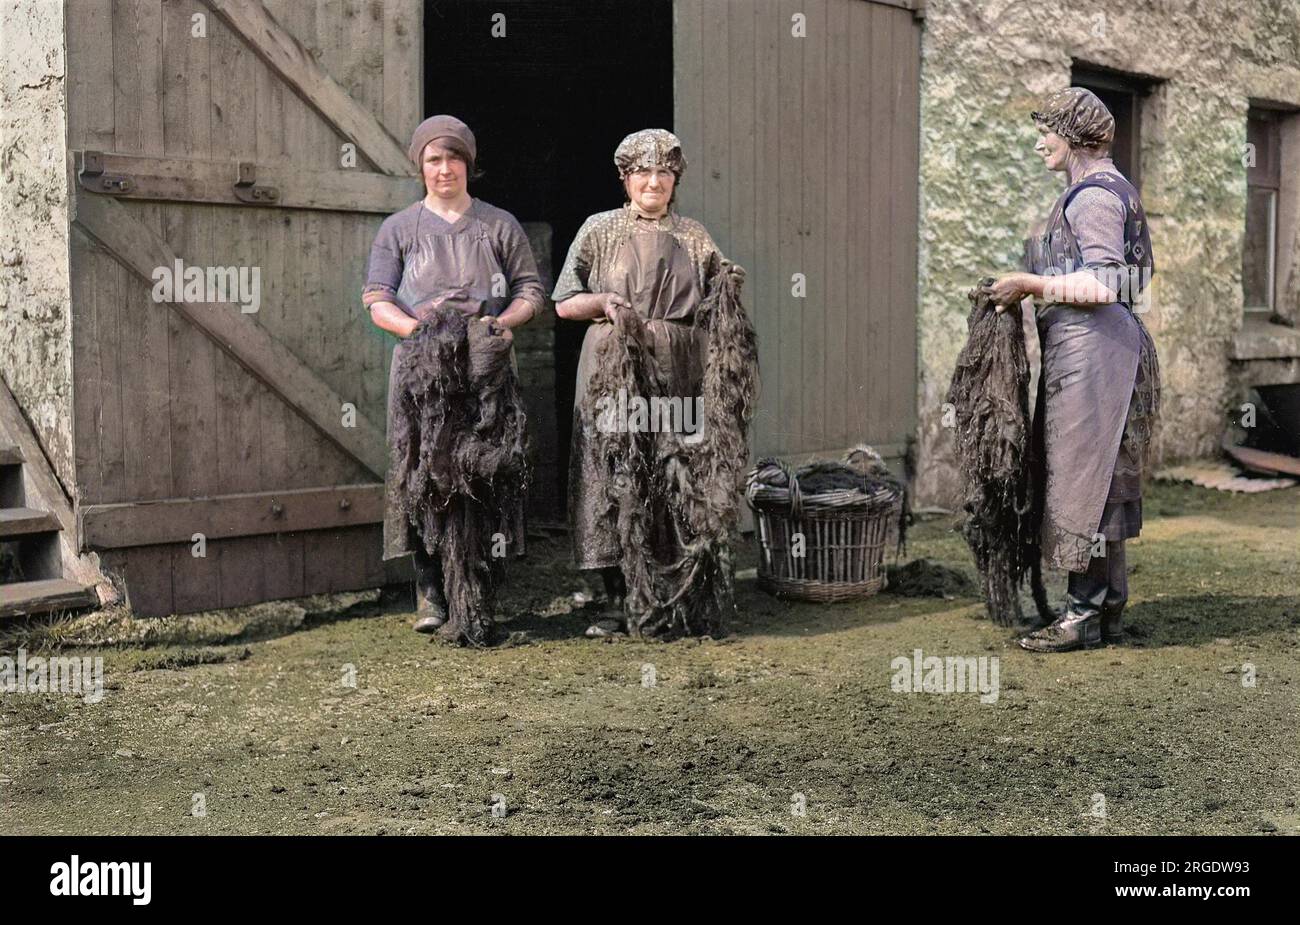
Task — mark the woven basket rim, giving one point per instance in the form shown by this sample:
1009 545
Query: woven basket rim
836 501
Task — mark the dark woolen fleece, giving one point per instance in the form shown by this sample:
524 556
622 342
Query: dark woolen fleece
459 447
990 395
663 486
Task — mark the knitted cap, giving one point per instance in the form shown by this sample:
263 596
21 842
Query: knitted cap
440 127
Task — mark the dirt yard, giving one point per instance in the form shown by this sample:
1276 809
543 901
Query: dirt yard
788 725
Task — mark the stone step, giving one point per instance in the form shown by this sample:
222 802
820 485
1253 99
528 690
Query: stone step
28 597
23 521
10 456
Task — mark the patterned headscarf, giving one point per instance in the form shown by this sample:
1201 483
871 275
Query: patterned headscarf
651 147
1077 116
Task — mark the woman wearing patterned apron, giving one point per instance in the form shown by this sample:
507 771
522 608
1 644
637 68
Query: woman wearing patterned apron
1099 389
646 257
449 249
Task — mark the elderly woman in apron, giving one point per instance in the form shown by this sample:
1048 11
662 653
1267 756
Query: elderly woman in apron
1099 388
448 249
646 257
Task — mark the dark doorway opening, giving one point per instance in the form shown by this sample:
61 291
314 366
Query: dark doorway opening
1123 94
548 103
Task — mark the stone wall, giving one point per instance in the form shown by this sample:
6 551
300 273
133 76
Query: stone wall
35 319
985 64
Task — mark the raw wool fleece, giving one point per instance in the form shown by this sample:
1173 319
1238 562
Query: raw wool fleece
863 473
990 395
667 493
460 449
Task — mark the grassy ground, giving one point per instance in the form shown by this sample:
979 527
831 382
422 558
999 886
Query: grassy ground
249 709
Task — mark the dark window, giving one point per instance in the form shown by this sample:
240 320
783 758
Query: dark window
1123 95
1263 182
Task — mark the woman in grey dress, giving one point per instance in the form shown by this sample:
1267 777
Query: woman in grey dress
1099 389
446 250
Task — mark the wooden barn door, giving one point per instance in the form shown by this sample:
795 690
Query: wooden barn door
801 125
247 134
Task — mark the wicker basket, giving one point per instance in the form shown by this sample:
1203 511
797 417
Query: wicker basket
845 533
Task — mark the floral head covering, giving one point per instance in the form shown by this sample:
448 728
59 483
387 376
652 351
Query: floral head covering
1077 116
651 147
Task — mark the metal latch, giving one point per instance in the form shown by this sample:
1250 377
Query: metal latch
246 188
91 176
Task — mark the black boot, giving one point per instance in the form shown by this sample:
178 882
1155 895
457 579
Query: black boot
1112 628
1077 628
588 591
1079 625
613 620
1112 625
432 613
1112 609
430 601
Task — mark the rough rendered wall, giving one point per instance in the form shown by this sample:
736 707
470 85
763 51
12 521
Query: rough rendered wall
35 324
985 63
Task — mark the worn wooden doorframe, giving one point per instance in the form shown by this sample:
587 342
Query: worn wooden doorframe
228 142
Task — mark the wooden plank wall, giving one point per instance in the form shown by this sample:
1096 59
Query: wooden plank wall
161 411
803 157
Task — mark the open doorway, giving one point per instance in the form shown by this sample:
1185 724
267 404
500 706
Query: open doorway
548 103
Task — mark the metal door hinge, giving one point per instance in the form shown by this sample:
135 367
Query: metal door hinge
91 176
247 190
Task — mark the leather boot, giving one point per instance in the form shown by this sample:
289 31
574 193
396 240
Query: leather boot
1112 624
1112 608
1077 628
431 602
432 613
612 620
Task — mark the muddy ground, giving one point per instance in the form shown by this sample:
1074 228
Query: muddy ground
250 710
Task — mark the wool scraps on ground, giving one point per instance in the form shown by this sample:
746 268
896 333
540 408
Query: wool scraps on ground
990 397
924 578
676 500
461 453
